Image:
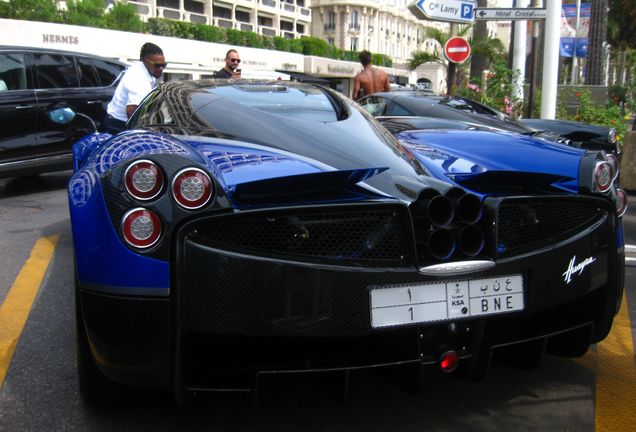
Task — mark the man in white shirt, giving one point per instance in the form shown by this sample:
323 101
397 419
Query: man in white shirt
136 83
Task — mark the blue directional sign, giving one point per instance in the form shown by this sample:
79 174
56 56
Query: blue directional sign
460 11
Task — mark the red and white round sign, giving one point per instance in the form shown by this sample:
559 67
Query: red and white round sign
457 49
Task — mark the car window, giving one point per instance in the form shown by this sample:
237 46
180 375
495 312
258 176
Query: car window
87 75
13 75
395 109
54 71
107 72
374 105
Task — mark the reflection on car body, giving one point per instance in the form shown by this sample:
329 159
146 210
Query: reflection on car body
239 229
38 81
417 103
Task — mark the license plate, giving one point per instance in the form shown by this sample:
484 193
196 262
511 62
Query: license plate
394 305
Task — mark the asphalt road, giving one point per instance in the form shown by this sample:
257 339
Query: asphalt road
39 391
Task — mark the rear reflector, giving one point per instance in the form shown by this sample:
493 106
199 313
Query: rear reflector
449 361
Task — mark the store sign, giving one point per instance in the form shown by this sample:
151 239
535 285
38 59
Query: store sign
60 39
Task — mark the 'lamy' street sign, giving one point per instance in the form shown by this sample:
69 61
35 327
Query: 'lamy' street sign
506 14
459 11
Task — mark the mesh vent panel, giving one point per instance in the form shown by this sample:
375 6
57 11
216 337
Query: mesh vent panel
526 226
369 236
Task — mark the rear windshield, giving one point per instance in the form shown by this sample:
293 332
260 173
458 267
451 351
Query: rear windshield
305 103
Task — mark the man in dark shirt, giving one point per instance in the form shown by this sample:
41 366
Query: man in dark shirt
231 68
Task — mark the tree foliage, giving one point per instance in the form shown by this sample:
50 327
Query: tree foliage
31 10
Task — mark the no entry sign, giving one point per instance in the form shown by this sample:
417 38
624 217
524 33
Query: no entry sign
457 49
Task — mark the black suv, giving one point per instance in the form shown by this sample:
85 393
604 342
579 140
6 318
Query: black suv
33 83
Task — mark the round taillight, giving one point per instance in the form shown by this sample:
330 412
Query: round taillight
192 188
449 361
144 180
621 202
603 175
141 228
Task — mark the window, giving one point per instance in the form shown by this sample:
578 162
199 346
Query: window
107 72
354 44
12 72
86 73
374 105
242 16
286 25
54 71
355 24
398 110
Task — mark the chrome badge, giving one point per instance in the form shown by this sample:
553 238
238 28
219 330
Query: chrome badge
458 267
574 268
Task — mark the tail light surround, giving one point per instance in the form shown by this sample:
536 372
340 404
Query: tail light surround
144 180
603 175
141 228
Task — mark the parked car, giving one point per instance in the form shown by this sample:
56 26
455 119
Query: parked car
240 229
425 104
34 82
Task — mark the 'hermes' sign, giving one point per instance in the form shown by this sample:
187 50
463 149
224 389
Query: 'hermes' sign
60 39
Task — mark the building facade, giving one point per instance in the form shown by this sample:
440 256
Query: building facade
285 18
380 26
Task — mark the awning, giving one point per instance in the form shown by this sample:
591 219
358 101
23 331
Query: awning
303 77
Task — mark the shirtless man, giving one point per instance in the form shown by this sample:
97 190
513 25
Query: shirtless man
370 80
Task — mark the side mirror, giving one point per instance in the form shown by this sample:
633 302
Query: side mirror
61 115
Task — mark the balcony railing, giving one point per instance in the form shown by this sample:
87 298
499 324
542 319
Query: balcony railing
267 31
142 8
305 11
246 27
224 23
196 18
354 27
288 35
269 3
163 12
287 7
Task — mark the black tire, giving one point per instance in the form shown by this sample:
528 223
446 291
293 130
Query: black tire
94 386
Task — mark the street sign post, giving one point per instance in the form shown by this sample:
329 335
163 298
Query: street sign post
457 50
459 11
507 14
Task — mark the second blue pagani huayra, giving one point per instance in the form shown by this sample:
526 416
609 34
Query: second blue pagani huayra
240 229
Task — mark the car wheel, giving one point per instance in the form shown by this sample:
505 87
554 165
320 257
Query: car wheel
94 386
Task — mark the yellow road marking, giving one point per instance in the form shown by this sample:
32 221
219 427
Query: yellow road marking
15 309
616 377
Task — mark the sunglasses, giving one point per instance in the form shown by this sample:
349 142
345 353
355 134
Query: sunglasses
157 65
235 60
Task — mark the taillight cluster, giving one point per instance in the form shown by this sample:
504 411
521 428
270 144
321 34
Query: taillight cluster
605 175
191 188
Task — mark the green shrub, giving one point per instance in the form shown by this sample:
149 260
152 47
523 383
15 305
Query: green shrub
123 16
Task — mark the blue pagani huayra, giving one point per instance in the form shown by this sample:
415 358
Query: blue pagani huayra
238 229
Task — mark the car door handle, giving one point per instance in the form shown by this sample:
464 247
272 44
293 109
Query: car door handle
93 102
23 107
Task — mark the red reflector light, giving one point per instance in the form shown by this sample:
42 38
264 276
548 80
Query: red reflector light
143 179
192 188
141 228
448 361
